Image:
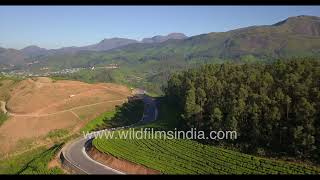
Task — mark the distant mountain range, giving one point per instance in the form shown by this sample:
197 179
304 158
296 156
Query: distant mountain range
160 39
295 36
13 56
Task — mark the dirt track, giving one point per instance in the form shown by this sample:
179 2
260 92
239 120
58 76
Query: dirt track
3 104
3 107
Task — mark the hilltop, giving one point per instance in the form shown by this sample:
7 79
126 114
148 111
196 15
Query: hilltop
38 106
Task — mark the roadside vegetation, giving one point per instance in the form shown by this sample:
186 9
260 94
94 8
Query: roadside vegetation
272 107
124 115
58 134
98 121
190 157
31 162
39 164
36 160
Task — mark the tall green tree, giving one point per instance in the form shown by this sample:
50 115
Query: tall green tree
273 107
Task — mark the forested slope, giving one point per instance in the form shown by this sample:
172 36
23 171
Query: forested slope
273 107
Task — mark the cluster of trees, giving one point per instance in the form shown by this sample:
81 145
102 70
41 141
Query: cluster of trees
275 108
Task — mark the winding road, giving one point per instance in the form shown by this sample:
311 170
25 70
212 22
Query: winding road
75 152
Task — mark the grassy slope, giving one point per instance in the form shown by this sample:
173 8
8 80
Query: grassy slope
39 164
3 118
191 157
116 118
98 121
6 84
31 162
34 161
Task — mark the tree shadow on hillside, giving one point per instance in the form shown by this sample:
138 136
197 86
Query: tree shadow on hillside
126 114
38 165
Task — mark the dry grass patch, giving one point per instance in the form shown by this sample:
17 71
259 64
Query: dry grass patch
38 106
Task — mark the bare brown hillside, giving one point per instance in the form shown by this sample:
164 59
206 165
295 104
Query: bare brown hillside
40 105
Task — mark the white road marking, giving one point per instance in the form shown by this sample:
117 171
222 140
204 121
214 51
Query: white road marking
96 162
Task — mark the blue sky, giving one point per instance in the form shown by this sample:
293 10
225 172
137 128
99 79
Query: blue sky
62 26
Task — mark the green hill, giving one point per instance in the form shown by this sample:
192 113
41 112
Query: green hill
153 62
295 36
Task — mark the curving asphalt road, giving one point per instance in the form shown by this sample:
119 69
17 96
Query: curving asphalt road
75 152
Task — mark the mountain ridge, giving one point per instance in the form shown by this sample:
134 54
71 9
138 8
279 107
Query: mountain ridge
294 36
160 38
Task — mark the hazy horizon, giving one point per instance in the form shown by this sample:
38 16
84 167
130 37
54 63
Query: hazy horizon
54 27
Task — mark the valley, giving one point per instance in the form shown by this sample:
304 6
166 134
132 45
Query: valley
259 80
